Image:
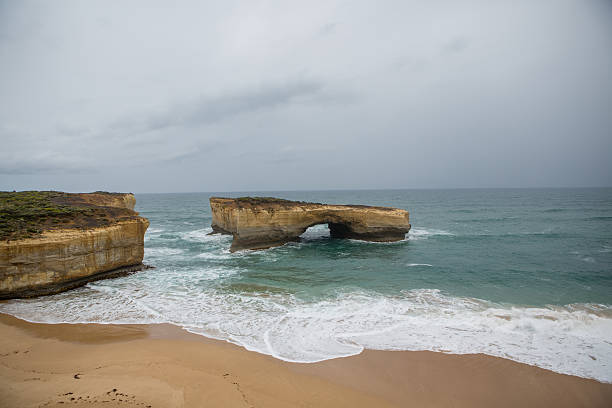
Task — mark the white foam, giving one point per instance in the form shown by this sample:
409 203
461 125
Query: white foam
574 339
214 255
422 233
414 234
203 235
152 233
162 251
154 230
316 232
418 264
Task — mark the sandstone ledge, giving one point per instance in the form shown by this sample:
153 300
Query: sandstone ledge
104 239
258 223
62 286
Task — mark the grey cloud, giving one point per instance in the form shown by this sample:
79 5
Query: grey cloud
328 29
271 96
250 95
206 110
129 133
458 44
44 165
294 154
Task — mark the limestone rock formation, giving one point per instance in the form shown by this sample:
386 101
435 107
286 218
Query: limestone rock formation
104 199
76 238
263 222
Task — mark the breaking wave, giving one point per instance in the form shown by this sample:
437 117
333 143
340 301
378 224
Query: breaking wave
292 329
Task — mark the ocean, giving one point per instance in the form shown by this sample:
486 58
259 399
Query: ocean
524 274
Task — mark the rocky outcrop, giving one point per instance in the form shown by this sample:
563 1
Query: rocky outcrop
258 223
59 259
104 199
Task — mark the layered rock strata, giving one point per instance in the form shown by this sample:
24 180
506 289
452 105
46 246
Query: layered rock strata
258 223
58 259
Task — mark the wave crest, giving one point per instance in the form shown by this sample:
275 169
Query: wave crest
293 329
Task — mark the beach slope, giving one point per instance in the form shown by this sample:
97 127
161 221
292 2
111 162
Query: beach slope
88 365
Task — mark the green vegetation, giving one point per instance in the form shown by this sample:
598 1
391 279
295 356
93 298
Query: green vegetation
26 214
267 202
261 200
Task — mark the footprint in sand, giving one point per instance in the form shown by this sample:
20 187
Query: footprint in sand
110 396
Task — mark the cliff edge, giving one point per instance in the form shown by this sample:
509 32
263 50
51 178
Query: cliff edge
263 222
53 241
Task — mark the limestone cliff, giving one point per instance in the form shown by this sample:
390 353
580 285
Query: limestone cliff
67 240
104 199
258 223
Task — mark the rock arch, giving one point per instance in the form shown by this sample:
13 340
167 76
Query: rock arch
264 222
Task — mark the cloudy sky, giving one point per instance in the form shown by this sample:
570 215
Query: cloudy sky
262 95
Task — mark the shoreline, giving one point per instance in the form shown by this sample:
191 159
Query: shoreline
162 365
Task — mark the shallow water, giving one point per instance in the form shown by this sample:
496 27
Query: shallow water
521 274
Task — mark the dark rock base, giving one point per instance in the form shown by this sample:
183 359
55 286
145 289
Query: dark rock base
336 230
218 230
64 286
239 245
341 231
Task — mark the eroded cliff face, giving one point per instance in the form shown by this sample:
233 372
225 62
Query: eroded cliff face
61 259
118 200
263 223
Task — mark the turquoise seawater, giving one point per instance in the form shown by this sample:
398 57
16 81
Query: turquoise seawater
524 274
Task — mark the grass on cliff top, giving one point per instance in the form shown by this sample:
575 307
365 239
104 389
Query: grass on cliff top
261 200
26 214
270 201
281 202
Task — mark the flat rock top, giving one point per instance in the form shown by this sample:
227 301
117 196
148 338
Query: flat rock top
27 214
262 203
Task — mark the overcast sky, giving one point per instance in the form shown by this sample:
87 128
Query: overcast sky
262 95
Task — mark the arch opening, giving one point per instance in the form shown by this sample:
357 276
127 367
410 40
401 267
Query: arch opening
316 232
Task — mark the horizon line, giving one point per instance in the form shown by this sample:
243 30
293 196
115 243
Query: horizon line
378 189
333 189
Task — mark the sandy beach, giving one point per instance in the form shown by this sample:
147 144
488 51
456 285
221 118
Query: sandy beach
90 365
272 204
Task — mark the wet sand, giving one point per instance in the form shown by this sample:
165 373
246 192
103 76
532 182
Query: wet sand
91 365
